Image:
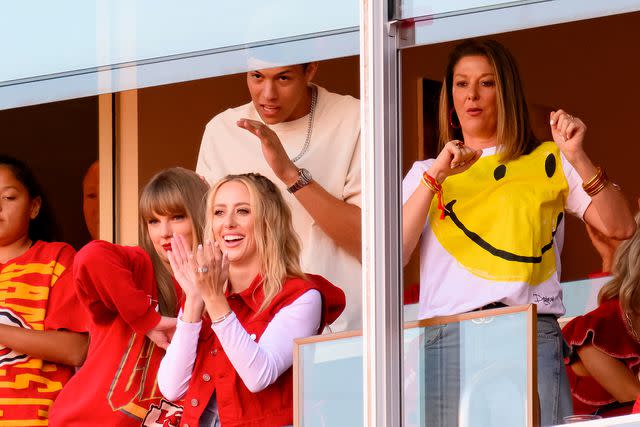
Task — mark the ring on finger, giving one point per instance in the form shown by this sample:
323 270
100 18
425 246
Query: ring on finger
202 269
459 144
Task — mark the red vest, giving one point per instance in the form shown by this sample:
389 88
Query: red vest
237 406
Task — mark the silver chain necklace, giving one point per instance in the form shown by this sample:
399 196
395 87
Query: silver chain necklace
314 101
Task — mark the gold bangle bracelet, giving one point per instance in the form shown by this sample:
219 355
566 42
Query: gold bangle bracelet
596 182
599 188
593 179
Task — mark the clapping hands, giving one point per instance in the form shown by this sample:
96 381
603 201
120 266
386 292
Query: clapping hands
212 270
183 266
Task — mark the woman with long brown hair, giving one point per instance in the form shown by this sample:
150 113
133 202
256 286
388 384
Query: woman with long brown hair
488 213
132 299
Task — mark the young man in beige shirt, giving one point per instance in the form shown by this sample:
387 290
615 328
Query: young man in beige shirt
307 141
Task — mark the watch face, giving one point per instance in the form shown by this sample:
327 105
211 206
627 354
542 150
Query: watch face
305 175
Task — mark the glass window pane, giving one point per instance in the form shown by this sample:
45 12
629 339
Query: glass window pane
486 374
434 25
581 296
79 35
331 391
414 8
88 48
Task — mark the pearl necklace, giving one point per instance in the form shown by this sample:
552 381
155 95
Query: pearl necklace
314 101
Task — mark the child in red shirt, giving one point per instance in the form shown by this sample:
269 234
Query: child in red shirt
132 298
40 324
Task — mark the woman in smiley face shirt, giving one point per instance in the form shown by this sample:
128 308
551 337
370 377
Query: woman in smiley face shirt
488 213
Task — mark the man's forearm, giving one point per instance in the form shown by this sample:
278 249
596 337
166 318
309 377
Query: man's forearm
339 219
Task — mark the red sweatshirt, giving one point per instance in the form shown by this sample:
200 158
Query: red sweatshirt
213 371
117 384
36 292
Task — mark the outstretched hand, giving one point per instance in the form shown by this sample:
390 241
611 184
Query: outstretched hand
568 132
454 158
272 150
162 333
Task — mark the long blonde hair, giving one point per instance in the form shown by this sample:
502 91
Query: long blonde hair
277 242
514 132
626 279
174 191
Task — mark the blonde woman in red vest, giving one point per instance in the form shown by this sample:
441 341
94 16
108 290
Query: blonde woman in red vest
233 365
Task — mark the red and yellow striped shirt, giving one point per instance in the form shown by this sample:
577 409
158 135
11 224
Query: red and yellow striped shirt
36 292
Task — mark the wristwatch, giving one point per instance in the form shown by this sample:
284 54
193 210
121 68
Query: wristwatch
304 178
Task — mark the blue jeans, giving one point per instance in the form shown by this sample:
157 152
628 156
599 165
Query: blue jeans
442 374
209 417
553 384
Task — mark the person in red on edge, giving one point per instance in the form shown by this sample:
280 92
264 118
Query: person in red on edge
40 326
132 298
605 346
233 366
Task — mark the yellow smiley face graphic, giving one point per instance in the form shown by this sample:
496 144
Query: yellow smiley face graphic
501 219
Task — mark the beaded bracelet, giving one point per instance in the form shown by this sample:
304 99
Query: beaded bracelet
433 185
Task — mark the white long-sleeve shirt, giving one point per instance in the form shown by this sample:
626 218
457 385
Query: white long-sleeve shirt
259 364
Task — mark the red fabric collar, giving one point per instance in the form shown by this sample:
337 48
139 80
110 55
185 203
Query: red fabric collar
252 296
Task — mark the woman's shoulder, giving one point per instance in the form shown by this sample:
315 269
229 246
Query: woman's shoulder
333 297
607 311
294 287
417 169
59 251
597 324
100 250
53 246
422 165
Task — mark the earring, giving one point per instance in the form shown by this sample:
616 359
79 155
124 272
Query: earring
453 125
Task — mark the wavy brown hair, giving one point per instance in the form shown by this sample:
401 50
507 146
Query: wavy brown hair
626 275
277 243
174 191
514 132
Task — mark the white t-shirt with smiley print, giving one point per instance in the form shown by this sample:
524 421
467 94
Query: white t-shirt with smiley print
502 234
